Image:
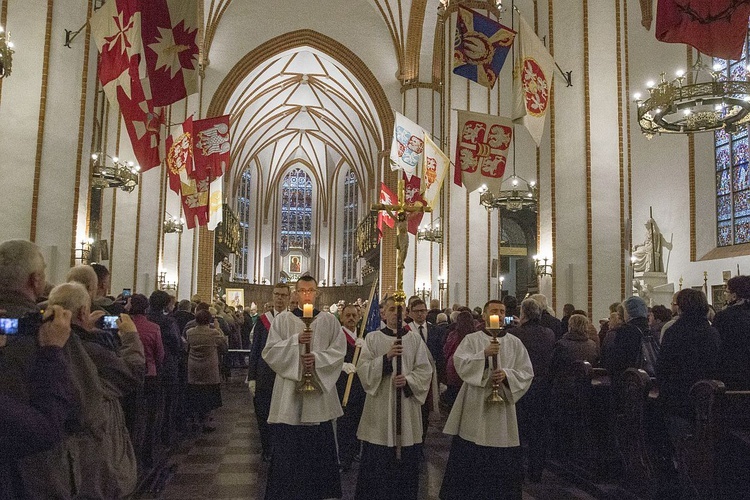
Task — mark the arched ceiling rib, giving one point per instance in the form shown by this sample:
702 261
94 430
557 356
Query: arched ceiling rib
304 106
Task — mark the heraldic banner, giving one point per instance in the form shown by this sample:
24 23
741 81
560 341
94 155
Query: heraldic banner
386 198
480 47
180 155
717 28
413 196
434 168
532 83
407 146
481 149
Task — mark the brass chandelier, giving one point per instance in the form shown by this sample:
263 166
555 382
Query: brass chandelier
113 173
516 193
6 53
681 106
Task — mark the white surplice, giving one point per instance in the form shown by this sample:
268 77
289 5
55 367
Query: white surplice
473 418
378 422
283 354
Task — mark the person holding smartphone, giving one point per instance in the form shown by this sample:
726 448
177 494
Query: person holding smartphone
27 428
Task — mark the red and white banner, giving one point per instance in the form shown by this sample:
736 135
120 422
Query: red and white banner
481 149
387 198
169 30
412 196
211 147
180 155
434 167
717 28
407 145
533 82
195 202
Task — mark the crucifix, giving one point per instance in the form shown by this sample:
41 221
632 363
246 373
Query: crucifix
400 212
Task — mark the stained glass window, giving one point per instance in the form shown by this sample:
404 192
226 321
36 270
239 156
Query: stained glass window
296 210
243 214
732 175
350 227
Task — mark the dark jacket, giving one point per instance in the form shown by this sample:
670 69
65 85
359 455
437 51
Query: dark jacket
173 346
573 347
30 428
625 349
182 318
435 343
539 342
259 370
733 324
688 354
554 324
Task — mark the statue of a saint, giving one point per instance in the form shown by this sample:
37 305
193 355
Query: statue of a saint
648 256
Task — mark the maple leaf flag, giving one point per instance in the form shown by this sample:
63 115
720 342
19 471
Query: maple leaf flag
482 149
532 82
434 167
169 30
407 146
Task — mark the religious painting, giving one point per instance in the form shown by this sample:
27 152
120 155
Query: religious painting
235 297
718 297
295 264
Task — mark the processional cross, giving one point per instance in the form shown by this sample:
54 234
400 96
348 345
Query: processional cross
400 211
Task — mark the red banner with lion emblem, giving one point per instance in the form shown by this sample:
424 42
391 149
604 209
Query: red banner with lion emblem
481 149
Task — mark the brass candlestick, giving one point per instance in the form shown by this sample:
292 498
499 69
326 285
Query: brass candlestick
495 396
308 385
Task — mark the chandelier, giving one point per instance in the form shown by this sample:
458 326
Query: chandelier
681 107
430 233
516 193
542 267
6 53
113 173
173 224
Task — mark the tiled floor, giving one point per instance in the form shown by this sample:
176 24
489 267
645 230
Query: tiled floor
226 464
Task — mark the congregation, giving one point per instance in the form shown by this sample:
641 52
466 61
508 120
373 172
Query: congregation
95 389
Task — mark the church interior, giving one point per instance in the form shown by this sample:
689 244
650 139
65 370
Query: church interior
603 197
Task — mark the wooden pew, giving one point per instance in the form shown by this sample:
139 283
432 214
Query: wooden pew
638 474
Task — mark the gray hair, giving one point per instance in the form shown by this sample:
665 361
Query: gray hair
442 318
19 259
531 308
70 296
84 275
542 301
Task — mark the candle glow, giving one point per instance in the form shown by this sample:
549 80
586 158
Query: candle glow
307 311
494 321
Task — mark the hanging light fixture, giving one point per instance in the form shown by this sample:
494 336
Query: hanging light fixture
685 104
6 53
113 173
173 224
516 193
433 233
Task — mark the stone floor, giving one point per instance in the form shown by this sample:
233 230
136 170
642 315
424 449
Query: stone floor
226 463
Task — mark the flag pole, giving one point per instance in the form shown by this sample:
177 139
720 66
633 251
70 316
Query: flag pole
357 349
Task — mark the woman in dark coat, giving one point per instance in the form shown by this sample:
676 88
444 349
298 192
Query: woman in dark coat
733 324
574 346
464 325
204 378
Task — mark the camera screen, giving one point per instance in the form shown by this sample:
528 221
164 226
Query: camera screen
9 326
126 293
508 320
110 322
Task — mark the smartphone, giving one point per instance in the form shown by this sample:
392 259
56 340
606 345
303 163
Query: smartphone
110 322
508 321
8 326
126 292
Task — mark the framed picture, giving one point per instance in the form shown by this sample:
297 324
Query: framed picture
295 264
235 297
718 296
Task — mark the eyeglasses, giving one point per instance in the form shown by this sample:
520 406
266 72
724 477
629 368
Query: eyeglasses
312 290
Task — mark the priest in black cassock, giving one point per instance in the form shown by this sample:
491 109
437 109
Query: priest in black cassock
381 475
485 460
346 426
260 376
304 463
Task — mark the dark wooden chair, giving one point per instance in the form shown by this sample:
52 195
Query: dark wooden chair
638 472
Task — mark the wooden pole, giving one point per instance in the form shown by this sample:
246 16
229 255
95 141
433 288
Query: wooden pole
360 334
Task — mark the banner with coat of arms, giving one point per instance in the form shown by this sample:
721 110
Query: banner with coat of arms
480 47
481 149
532 84
407 146
434 168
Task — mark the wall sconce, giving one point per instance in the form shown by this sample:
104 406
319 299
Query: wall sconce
442 287
173 224
542 267
83 253
6 53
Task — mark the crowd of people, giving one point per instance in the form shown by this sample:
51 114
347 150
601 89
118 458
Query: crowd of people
94 389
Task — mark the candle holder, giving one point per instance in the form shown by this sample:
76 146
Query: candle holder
495 396
308 385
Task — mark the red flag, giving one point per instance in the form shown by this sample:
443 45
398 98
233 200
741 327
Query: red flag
211 147
481 149
716 28
195 202
143 122
387 198
180 155
170 44
412 196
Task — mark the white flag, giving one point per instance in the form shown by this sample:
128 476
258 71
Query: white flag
215 199
434 168
532 82
482 149
407 146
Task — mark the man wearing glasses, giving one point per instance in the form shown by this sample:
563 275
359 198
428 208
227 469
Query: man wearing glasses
259 375
303 463
434 341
